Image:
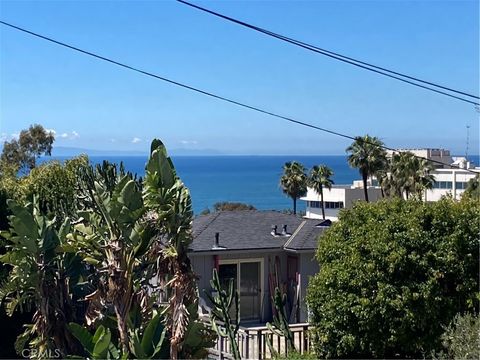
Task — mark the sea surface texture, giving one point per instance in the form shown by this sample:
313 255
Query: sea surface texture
248 179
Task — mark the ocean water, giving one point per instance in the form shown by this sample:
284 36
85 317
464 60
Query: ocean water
249 179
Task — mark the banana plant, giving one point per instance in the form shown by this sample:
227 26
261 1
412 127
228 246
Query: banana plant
112 236
133 233
148 343
222 302
169 200
41 278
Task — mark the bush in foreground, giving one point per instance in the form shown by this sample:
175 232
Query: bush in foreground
461 339
393 275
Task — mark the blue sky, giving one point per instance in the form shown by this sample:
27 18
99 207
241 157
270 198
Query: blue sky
96 105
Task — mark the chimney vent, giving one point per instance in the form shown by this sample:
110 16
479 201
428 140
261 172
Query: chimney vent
216 243
284 231
274 230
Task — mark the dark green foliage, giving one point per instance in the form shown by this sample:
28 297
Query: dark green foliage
150 343
222 302
99 269
37 279
294 182
31 143
473 188
232 206
319 179
368 156
55 186
392 275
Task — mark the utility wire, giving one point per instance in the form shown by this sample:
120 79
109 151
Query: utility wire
257 109
349 60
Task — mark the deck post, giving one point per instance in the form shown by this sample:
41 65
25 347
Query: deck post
259 343
305 339
247 344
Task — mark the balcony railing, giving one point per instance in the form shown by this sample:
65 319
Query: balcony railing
252 342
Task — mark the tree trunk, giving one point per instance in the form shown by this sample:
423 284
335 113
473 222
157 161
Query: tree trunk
365 190
323 205
294 206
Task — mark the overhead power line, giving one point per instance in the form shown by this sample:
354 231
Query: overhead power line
204 92
349 60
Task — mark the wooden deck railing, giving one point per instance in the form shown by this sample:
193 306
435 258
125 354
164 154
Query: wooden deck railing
252 342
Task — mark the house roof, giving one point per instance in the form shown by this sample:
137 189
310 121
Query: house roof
251 229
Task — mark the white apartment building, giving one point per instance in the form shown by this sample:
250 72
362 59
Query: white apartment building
338 197
448 181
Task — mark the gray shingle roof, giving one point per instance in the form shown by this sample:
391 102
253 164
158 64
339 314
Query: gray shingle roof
251 229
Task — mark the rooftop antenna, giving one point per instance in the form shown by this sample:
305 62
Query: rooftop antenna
468 140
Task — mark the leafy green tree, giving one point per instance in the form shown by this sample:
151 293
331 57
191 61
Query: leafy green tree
31 144
320 177
55 185
294 182
232 206
393 274
368 156
473 188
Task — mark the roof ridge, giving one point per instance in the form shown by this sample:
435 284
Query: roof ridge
294 234
203 228
309 232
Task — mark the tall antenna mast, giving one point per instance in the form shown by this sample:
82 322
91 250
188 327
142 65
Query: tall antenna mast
468 139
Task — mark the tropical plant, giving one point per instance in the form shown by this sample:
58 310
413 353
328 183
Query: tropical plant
107 268
169 201
40 278
294 182
151 344
222 301
320 178
31 143
132 232
393 274
368 156
411 174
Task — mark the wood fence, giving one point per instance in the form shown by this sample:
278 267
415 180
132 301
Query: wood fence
252 343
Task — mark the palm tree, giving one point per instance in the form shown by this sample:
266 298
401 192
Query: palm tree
368 156
423 179
412 175
294 181
320 178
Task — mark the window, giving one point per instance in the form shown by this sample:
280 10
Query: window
333 204
460 185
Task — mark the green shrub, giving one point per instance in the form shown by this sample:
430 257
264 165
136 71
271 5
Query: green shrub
392 275
461 338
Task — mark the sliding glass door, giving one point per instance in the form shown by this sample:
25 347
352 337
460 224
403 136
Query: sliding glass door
247 274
